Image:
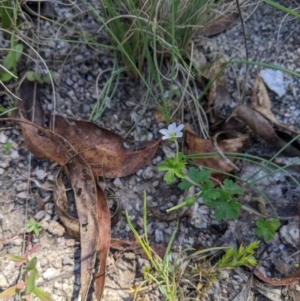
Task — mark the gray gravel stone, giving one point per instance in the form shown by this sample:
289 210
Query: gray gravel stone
159 236
118 183
40 174
67 261
14 154
22 186
148 173
23 195
290 234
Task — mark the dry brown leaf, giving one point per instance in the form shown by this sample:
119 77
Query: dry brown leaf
286 281
103 241
196 145
84 186
61 206
218 95
104 150
261 103
220 25
86 199
263 128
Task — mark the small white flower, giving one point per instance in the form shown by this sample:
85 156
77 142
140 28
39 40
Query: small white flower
172 132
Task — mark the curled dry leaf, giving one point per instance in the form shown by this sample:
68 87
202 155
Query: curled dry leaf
261 126
295 277
222 19
104 150
103 241
261 103
83 184
196 145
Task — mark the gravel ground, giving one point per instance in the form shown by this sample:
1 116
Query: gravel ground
26 182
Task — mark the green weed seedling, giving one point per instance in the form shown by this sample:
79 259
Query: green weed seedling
9 67
169 274
6 13
26 287
7 147
223 199
41 79
33 226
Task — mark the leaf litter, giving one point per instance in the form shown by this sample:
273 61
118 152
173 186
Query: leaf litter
84 145
96 151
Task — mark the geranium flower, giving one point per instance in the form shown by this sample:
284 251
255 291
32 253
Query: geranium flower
173 132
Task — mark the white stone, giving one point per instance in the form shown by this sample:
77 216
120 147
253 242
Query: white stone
3 281
49 273
274 80
3 138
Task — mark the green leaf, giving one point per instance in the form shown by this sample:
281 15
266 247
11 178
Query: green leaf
31 264
266 228
209 193
30 75
48 77
241 257
5 76
225 208
38 78
174 166
13 56
9 292
232 187
2 109
179 173
169 177
33 226
198 176
228 210
41 294
15 258
184 184
30 283
6 13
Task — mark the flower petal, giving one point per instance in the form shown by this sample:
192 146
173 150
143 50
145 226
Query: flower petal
165 132
180 127
179 134
172 127
165 137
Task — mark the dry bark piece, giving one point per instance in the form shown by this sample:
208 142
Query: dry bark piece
104 150
194 145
